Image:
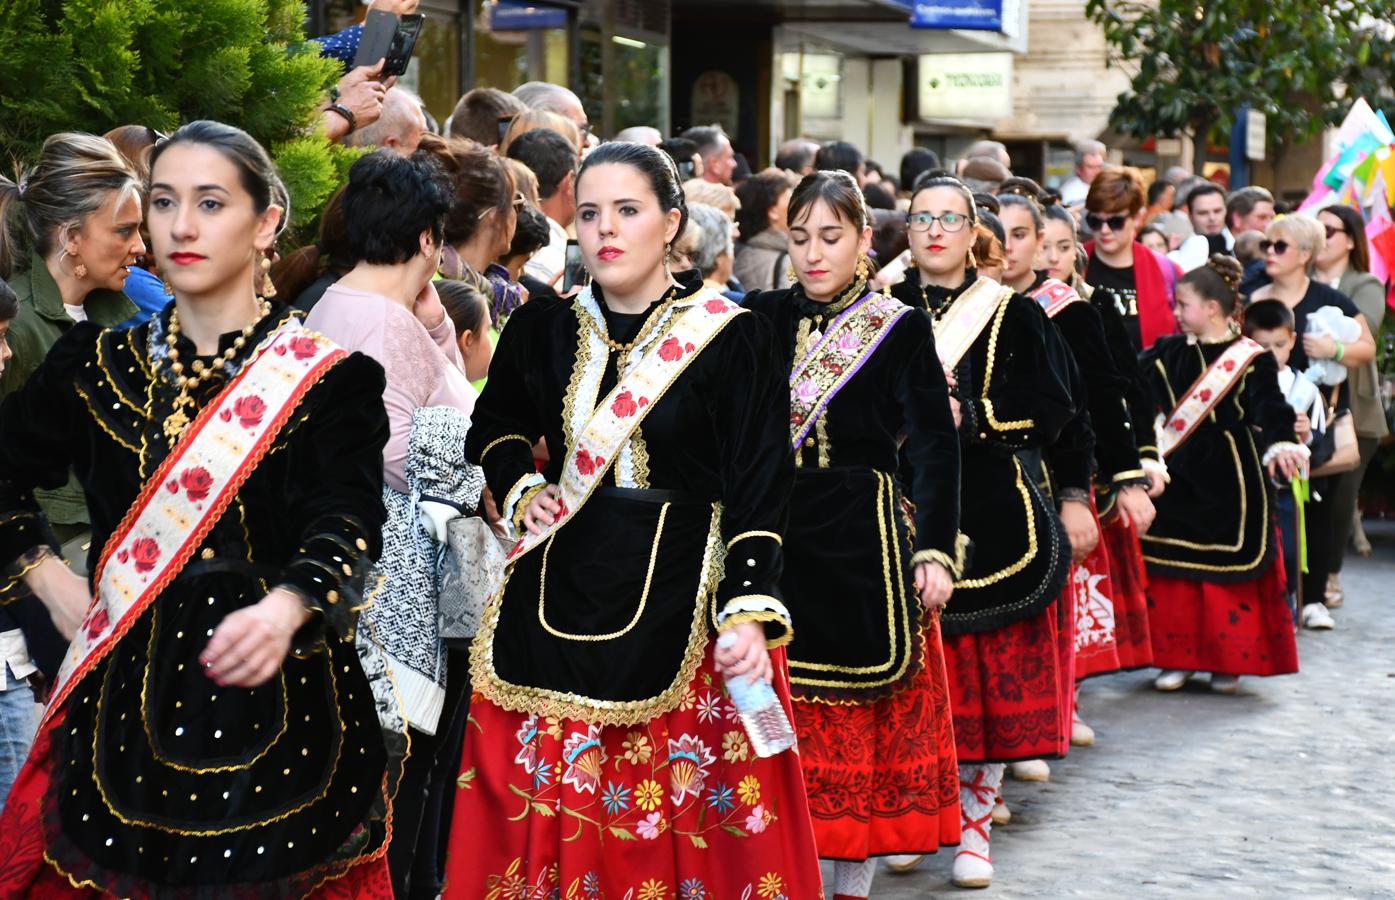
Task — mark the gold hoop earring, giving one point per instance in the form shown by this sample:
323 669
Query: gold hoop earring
268 286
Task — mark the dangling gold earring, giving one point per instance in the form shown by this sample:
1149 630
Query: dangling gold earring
790 275
972 261
169 288
864 267
80 271
268 286
668 255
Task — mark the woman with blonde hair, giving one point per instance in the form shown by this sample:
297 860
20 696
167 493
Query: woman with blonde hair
540 118
1291 247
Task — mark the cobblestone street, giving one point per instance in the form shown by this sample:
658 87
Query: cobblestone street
1283 791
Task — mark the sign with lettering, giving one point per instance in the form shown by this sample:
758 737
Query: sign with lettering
977 15
965 85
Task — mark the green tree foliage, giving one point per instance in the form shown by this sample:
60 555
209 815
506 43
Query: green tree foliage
1194 62
91 65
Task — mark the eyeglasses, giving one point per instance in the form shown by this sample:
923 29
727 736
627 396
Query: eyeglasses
1333 232
950 221
1279 247
1115 222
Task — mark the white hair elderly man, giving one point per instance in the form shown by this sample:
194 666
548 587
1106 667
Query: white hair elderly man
1089 160
557 99
399 128
641 134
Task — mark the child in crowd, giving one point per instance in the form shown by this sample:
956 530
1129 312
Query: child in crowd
1270 324
1217 598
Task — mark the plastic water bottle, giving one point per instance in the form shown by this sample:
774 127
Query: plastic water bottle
759 708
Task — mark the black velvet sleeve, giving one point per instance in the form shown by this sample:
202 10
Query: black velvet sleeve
1021 398
1071 456
505 424
931 447
1138 395
39 424
1116 450
1266 410
751 416
334 491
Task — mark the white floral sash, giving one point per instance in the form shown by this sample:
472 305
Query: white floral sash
967 316
1217 381
1054 296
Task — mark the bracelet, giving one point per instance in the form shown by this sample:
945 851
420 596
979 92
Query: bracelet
1073 495
342 110
1341 351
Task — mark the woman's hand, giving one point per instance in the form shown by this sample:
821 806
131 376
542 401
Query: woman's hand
935 585
748 656
361 92
427 307
542 510
1133 502
1156 485
248 646
1080 528
1289 462
63 593
1319 346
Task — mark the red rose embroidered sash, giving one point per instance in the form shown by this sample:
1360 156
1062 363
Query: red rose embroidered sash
850 341
191 489
1217 381
967 316
1054 296
622 411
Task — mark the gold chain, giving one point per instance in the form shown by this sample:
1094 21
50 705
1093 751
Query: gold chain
598 324
179 418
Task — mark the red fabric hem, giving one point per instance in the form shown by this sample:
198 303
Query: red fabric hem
1129 590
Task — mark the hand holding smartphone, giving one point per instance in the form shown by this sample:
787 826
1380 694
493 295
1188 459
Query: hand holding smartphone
389 37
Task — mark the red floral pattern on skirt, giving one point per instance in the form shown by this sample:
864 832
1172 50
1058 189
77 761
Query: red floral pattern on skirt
1006 689
883 777
1096 651
1128 582
676 808
1240 628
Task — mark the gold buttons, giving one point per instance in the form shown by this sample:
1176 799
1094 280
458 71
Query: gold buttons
809 442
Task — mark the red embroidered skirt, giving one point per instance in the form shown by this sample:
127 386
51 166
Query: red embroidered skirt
1240 628
1007 690
676 807
25 873
1096 650
882 777
1128 581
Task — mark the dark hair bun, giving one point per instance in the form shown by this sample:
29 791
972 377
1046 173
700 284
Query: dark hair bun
1228 267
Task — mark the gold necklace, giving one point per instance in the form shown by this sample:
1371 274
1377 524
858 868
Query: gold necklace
598 325
834 307
180 417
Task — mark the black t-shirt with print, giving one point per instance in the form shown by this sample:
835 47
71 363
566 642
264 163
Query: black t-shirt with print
1122 293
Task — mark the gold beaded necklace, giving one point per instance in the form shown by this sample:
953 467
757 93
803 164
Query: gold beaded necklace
179 419
598 325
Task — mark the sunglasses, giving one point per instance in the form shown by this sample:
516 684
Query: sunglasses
1115 222
1333 232
1279 247
950 221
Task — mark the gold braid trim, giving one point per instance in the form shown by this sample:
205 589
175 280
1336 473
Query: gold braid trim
96 417
755 534
1031 554
506 438
639 456
1131 473
763 617
28 562
521 507
955 564
988 376
525 699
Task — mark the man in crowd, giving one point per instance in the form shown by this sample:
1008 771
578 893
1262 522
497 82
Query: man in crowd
1089 159
553 159
983 173
1248 209
718 159
641 134
797 155
399 128
841 156
557 99
478 114
1205 204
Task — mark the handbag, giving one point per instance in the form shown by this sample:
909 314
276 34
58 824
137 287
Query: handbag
470 570
1341 434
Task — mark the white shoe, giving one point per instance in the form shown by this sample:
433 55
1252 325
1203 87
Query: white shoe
972 870
1001 814
1081 734
1316 617
1171 680
904 863
1225 684
1333 597
1030 770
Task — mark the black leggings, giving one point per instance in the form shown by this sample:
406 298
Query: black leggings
1317 531
412 856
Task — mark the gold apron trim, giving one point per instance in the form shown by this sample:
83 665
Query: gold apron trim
988 375
1019 565
565 705
1240 539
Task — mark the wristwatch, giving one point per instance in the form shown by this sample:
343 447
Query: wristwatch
342 110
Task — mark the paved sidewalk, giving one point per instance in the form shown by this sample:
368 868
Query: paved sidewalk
1283 791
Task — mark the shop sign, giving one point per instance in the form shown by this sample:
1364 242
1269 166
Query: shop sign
976 15
965 85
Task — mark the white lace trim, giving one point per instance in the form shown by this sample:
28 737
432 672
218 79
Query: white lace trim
1285 446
